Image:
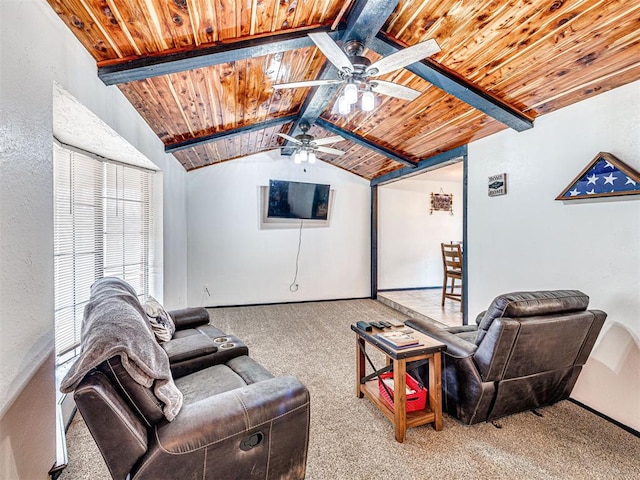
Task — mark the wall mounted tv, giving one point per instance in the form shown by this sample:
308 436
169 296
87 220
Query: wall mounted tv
298 200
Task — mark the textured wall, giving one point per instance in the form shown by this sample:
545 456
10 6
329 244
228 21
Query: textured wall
38 50
526 240
26 442
26 201
409 237
243 264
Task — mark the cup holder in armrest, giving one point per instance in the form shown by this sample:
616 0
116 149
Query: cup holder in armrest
224 343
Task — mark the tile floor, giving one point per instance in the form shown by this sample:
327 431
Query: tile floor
423 302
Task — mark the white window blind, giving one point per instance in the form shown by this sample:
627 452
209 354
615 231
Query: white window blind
102 226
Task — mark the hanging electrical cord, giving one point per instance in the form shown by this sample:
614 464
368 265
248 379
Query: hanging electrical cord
294 286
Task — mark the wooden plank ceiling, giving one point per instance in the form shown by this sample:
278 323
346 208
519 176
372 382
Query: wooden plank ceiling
217 103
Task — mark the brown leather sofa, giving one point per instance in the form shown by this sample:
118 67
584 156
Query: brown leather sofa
230 420
526 351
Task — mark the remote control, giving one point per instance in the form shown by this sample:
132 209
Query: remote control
385 324
395 323
364 326
377 325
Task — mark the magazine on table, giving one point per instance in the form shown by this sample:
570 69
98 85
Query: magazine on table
399 339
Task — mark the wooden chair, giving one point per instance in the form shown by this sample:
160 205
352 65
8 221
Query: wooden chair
452 264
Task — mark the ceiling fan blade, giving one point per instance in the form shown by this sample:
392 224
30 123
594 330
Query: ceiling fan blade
291 139
404 57
327 140
331 151
305 83
394 90
332 51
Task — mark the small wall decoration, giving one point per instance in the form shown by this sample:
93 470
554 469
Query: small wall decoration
605 176
498 185
441 201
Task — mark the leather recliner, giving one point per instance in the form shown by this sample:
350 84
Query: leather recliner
526 351
230 420
237 422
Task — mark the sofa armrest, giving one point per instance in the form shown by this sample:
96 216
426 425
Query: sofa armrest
456 346
186 348
217 418
190 317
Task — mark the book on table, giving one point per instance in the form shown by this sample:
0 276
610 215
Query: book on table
399 339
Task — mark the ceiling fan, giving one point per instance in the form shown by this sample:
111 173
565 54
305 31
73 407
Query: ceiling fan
359 73
306 145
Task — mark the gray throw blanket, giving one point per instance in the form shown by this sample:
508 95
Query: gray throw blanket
115 323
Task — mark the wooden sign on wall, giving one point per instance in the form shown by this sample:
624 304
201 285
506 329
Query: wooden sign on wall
498 185
441 201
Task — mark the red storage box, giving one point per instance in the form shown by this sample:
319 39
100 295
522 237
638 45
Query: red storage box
415 401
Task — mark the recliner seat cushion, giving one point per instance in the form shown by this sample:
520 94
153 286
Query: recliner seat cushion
236 373
208 382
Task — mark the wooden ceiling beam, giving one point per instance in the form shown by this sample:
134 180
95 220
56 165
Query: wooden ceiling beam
439 160
314 104
364 142
214 137
365 19
455 85
179 60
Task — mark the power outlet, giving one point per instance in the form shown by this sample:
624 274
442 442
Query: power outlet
205 289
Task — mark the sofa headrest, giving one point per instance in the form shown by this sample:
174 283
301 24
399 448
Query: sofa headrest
529 304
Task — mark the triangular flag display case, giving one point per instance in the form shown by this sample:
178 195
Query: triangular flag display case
605 176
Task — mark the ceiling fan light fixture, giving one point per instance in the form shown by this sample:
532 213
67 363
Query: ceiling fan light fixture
344 107
351 93
298 157
368 101
312 157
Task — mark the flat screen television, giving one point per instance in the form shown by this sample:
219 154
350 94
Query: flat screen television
298 200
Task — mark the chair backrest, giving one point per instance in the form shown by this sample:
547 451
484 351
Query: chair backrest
118 412
451 256
525 333
529 304
142 400
118 431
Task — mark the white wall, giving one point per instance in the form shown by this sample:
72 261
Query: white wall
38 49
409 237
526 240
244 264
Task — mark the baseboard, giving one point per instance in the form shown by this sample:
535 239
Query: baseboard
287 303
607 418
406 289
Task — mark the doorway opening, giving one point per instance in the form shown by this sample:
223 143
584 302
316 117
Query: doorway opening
413 220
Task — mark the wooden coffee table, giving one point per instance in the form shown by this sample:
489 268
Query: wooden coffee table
430 350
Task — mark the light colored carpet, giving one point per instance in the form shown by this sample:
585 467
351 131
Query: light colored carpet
351 439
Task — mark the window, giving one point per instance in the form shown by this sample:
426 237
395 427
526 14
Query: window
102 227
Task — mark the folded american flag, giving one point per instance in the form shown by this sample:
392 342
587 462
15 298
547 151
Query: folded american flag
604 176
